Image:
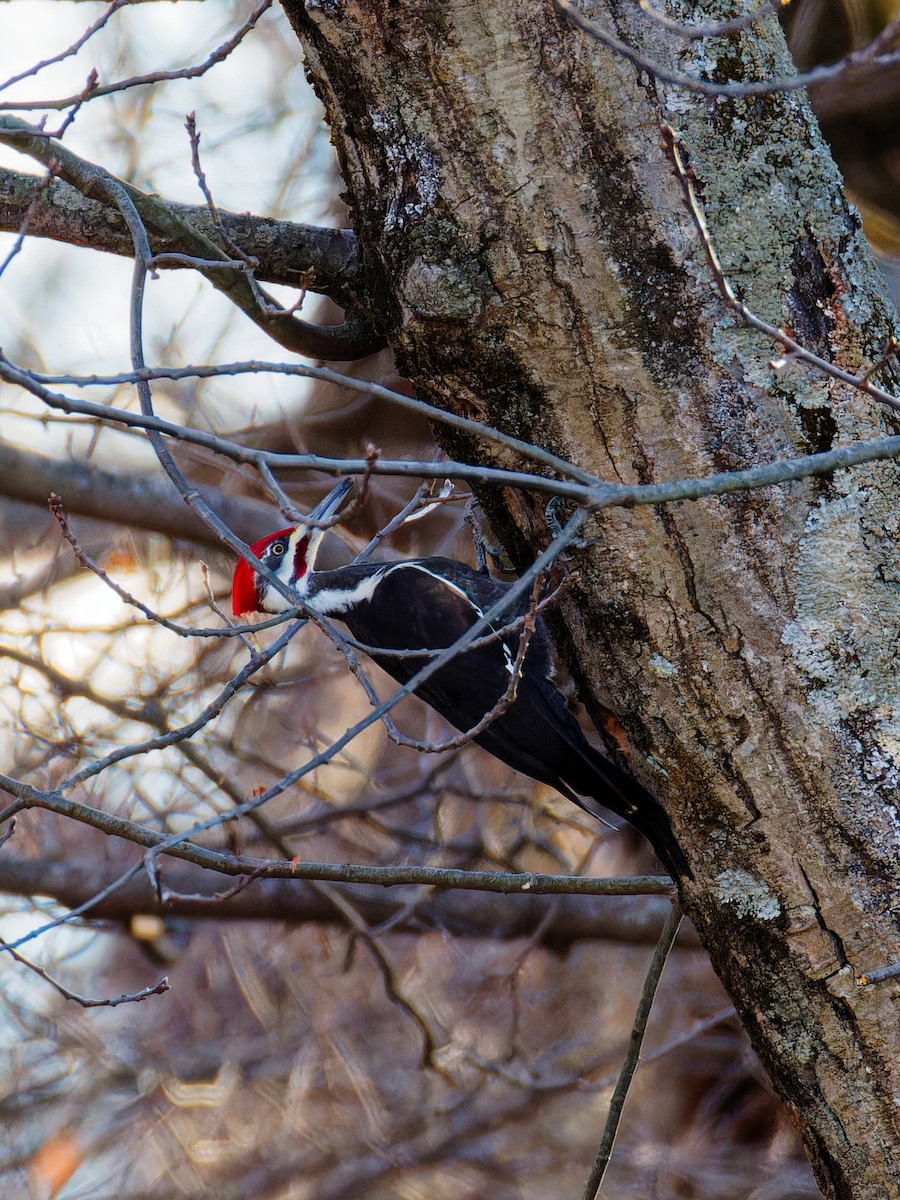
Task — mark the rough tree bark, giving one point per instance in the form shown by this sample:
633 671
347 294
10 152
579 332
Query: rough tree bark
534 266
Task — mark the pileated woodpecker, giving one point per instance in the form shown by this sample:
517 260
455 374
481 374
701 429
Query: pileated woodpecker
428 604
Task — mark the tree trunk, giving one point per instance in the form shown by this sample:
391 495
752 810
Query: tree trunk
535 267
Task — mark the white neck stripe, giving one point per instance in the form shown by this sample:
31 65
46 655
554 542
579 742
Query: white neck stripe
331 602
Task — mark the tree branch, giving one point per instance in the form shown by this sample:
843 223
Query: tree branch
154 989
218 55
623 1083
463 914
587 490
137 501
284 250
869 56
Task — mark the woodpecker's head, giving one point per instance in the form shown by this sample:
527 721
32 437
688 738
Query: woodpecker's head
289 554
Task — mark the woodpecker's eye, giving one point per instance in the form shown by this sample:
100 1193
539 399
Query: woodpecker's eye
277 549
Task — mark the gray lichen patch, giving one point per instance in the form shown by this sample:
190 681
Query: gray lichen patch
845 636
747 896
661 666
414 176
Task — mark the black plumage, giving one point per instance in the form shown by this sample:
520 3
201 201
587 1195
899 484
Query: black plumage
429 604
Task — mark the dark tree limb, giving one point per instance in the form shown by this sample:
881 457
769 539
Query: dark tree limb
136 501
284 250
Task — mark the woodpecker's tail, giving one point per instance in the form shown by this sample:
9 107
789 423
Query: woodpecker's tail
595 783
540 736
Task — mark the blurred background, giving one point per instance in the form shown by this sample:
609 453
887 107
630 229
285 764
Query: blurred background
315 1041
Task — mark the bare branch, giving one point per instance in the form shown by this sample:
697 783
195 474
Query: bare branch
869 56
32 380
796 352
218 55
283 250
642 1016
138 501
360 929
116 895
34 205
698 30
56 508
591 492
69 50
154 989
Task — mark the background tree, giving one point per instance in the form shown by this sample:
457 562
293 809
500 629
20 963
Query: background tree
528 251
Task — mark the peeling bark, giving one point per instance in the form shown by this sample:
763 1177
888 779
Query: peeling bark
530 254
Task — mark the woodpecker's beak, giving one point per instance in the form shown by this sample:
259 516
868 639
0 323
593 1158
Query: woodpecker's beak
327 507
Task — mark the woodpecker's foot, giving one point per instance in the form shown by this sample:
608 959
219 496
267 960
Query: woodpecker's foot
555 525
484 550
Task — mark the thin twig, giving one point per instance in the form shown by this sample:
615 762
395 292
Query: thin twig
257 660
194 138
889 353
7 816
398 519
155 989
486 639
87 92
868 56
361 930
229 630
55 505
167 259
326 375
351 873
40 192
596 498
242 454
587 490
620 1093
701 30
218 55
70 50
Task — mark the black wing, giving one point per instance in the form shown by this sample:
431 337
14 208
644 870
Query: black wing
430 604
